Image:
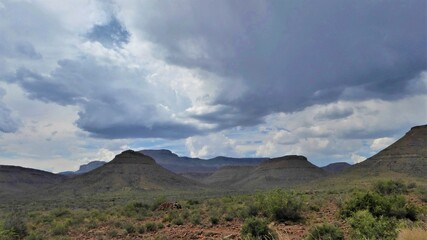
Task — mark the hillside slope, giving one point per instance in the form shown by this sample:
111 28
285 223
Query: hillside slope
15 180
277 172
128 171
177 164
408 155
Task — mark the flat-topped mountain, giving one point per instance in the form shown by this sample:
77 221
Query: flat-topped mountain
337 167
175 163
85 168
408 155
282 171
129 170
15 180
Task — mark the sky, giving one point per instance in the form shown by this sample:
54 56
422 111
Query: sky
83 80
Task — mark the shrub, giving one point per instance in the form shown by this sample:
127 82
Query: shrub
60 212
141 229
59 229
280 206
387 206
151 226
255 228
33 236
112 233
325 232
195 218
129 228
136 209
390 187
252 211
178 221
365 226
157 202
422 192
214 220
193 202
14 227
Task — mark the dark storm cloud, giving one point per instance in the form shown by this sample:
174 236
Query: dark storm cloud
167 130
115 102
111 34
292 54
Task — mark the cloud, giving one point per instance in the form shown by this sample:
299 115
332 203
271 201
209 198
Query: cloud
111 34
290 55
381 143
357 158
334 113
216 144
115 101
8 123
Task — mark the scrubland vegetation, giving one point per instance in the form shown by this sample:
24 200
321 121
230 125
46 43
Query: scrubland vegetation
388 210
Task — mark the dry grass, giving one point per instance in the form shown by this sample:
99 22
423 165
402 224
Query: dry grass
412 234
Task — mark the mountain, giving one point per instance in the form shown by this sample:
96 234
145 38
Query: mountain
408 156
85 168
177 164
282 171
15 180
129 170
337 167
228 175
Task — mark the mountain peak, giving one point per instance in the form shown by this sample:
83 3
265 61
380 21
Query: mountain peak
132 157
287 161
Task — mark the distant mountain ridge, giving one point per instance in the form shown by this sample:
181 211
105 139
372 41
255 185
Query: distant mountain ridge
85 168
177 164
336 167
276 172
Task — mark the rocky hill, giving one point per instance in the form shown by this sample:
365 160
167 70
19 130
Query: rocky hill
16 180
337 167
282 171
177 164
128 171
408 156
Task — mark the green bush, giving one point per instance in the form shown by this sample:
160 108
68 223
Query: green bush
390 187
112 233
193 202
157 202
378 205
178 221
135 209
129 228
60 212
325 232
280 206
141 229
214 220
59 229
195 218
422 193
365 226
255 228
151 226
13 227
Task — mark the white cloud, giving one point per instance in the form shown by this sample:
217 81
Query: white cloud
357 158
216 144
381 143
